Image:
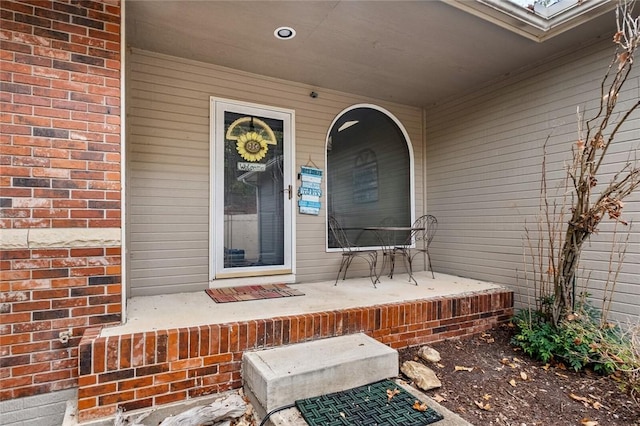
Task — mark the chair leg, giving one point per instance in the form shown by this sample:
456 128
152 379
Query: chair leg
384 263
346 267
406 257
430 267
346 262
373 277
372 270
392 260
340 270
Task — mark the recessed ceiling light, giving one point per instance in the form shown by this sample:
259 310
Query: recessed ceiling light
284 33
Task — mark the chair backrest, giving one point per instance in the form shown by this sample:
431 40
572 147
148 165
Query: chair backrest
338 234
430 225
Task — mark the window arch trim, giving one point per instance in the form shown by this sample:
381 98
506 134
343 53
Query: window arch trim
409 145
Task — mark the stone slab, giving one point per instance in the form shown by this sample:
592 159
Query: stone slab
280 376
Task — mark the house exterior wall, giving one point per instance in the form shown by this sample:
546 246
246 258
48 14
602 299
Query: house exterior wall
484 161
60 239
168 168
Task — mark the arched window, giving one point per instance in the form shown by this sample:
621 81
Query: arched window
369 173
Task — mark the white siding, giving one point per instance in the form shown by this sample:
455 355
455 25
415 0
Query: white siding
484 156
168 166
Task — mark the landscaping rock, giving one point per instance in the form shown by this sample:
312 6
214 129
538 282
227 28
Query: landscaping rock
429 354
422 376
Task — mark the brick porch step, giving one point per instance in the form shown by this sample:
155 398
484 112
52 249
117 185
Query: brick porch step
277 377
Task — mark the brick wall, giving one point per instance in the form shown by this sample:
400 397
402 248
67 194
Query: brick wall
140 370
59 187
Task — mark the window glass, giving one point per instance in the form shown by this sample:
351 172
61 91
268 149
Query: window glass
368 175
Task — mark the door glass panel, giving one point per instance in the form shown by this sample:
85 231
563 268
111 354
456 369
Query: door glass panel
253 191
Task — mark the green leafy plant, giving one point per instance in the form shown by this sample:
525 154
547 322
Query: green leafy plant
536 337
579 341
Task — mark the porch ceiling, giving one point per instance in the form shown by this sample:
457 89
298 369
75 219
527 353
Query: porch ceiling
411 52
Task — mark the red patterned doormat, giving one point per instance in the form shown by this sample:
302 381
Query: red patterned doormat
251 292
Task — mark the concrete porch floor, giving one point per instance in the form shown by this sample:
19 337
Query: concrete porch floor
182 310
179 347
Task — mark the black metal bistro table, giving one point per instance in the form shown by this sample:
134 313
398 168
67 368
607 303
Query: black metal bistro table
387 237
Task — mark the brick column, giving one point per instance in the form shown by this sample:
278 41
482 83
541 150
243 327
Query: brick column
60 79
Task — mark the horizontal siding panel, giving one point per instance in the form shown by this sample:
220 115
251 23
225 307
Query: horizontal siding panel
151 225
174 170
150 179
174 263
246 84
148 151
172 121
170 210
155 255
184 281
162 130
146 272
168 165
167 236
151 191
176 247
484 162
528 83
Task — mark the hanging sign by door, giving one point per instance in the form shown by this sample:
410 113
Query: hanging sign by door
310 190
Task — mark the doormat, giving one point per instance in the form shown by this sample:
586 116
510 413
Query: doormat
251 292
367 405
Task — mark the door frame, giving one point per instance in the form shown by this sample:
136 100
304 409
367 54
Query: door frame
253 274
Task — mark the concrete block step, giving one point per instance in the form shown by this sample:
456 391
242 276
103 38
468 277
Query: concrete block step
279 376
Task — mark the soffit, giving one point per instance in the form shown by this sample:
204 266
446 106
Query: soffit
410 52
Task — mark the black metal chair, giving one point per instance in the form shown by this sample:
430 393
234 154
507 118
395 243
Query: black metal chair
425 229
339 238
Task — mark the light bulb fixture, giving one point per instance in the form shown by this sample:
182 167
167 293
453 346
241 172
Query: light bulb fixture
284 33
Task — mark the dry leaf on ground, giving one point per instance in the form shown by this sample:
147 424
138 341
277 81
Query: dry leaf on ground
506 361
420 406
487 338
439 398
584 400
485 407
392 393
460 368
512 382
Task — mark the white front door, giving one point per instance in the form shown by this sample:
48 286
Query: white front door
252 190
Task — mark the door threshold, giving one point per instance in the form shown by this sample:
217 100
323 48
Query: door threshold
254 280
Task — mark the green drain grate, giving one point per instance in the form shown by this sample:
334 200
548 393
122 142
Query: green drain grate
366 405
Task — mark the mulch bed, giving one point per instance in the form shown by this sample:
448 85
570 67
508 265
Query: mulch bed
505 387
